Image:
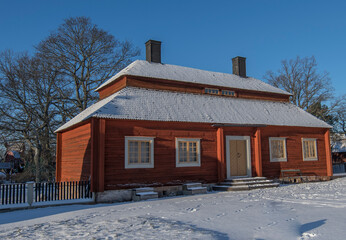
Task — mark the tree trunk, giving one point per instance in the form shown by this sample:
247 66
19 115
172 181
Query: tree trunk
37 156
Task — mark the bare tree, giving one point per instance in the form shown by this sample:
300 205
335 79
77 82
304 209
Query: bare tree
300 77
27 107
39 93
340 113
86 56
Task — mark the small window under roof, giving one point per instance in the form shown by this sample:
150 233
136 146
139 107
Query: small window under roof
211 91
228 93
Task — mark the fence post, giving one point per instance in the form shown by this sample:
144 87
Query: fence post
30 195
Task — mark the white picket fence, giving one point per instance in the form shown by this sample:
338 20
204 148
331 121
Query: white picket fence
32 194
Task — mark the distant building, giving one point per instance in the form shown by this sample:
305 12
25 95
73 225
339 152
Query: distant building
13 155
339 150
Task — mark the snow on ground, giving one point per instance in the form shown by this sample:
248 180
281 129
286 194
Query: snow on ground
302 211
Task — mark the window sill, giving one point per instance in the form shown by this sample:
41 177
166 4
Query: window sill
310 159
188 165
278 160
129 166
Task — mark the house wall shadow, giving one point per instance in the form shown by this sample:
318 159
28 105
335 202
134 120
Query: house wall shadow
311 225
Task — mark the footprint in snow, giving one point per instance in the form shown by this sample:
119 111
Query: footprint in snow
272 224
191 209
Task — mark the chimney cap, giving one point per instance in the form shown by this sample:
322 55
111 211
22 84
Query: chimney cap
243 58
152 41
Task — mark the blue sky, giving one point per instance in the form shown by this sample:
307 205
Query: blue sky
199 34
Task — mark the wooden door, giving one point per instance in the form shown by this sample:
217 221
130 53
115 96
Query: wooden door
238 159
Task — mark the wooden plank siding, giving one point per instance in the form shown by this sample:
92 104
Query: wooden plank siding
258 152
221 155
75 152
294 137
112 88
58 157
100 145
170 85
328 153
165 170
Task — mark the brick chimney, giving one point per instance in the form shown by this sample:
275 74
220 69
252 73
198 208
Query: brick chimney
153 51
239 66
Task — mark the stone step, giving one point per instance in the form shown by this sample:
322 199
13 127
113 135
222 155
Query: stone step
264 185
144 189
245 179
246 183
146 195
195 190
187 186
230 188
243 187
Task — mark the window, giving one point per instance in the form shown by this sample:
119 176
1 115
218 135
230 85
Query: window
228 93
187 152
277 149
139 152
211 91
309 149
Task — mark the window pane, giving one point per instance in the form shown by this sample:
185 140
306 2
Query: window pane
133 152
145 152
278 149
192 152
309 149
182 151
312 151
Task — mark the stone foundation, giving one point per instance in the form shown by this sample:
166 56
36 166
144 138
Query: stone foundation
302 179
111 196
114 196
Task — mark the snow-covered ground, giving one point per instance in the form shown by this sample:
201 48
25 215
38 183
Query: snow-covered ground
302 211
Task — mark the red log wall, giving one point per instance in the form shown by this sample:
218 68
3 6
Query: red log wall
294 137
164 170
76 153
74 164
169 85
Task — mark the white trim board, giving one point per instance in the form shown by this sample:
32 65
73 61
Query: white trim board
248 154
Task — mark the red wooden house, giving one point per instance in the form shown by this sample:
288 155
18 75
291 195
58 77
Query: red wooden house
157 123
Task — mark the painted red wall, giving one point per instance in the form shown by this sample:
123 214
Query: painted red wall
164 171
162 84
294 137
76 152
74 164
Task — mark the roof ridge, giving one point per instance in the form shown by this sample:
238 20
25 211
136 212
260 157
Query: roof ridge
143 68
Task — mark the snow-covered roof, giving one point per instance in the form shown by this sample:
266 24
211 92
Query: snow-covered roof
184 74
158 105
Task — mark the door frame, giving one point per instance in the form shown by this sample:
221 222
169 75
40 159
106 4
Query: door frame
248 154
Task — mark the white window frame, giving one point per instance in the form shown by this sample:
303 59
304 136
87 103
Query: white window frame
272 159
310 159
198 148
139 165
